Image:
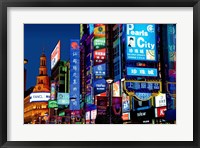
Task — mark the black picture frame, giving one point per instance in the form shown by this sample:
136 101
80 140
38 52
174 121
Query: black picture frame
4 4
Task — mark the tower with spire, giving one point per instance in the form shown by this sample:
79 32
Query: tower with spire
42 83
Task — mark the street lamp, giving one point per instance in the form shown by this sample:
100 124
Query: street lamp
109 81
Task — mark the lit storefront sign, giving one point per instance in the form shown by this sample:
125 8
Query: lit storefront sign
63 99
99 71
160 112
99 86
99 56
141 42
142 86
134 71
99 31
55 55
125 103
74 75
99 43
160 100
52 104
39 97
143 90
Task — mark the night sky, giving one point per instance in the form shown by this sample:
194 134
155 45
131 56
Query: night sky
45 36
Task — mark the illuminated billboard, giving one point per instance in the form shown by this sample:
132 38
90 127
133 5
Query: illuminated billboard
134 71
63 98
160 112
141 42
99 43
160 100
53 91
126 116
99 56
39 97
99 86
52 104
116 89
74 75
99 71
99 31
55 55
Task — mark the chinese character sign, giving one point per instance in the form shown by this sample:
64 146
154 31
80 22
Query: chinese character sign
74 75
99 56
143 86
133 71
141 42
99 71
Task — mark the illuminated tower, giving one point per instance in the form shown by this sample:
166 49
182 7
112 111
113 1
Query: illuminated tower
42 84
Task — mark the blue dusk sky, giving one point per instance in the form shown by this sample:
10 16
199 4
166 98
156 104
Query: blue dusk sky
45 36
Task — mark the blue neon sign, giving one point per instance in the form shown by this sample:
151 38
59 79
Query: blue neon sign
134 71
74 75
141 42
143 86
99 86
99 71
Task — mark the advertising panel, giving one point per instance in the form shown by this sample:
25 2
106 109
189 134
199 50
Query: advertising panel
143 86
126 116
116 89
99 31
55 55
117 105
160 112
101 105
141 42
99 86
63 98
125 103
99 56
52 104
99 43
160 100
74 75
39 97
53 91
134 71
99 71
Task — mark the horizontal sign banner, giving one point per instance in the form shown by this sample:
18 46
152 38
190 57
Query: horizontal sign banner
134 71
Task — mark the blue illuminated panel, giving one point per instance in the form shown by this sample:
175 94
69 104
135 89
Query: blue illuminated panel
141 42
134 71
74 75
